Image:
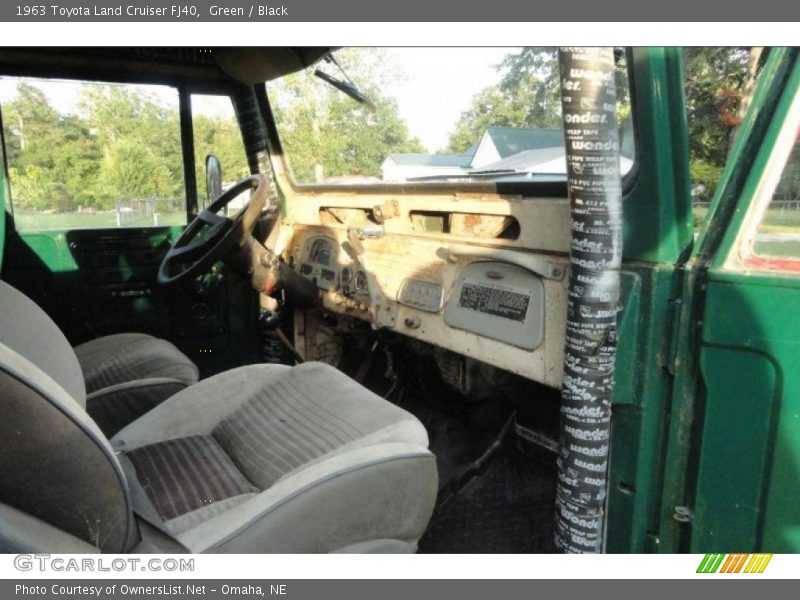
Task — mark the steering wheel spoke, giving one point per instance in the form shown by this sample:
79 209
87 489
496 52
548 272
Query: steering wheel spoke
192 251
213 219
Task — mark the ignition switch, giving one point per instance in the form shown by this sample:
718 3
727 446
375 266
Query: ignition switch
412 322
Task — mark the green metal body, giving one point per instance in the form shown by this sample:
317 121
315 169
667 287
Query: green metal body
705 426
734 444
706 422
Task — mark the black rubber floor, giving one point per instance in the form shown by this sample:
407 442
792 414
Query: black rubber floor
507 505
507 509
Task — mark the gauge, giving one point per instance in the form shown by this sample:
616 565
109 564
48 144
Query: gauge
321 252
361 281
346 277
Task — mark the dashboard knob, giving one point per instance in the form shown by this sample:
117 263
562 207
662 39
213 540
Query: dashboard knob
412 322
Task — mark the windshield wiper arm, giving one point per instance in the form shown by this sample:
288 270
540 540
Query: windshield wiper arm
347 87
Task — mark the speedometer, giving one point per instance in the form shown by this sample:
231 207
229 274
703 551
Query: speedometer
321 252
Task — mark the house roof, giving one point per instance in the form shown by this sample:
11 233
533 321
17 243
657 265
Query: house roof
509 142
431 160
548 160
525 160
512 140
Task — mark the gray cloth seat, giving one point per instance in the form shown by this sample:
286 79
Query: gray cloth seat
311 461
263 458
114 359
128 374
121 376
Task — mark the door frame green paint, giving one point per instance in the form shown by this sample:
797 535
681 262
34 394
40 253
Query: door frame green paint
777 84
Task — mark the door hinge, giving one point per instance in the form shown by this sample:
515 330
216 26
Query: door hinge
675 308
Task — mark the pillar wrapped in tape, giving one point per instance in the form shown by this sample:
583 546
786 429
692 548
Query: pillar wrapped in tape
588 99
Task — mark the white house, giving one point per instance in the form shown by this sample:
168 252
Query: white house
500 149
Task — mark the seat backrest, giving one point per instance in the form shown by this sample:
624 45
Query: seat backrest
55 463
27 330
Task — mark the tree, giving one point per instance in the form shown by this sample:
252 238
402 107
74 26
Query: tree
31 125
324 130
218 135
527 95
714 88
139 141
121 143
40 148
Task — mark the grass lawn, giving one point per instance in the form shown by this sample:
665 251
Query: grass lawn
785 249
776 221
99 220
785 223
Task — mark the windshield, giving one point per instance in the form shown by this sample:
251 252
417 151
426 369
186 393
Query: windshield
430 114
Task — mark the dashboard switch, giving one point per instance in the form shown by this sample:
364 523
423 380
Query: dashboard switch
412 322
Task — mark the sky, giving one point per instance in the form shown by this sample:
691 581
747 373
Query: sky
439 85
434 86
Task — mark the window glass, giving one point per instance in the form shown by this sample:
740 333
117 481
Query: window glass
92 155
719 82
433 114
778 234
216 132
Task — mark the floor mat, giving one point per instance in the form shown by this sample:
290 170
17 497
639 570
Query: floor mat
454 440
507 509
506 505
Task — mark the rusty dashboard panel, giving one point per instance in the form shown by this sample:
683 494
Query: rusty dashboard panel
443 292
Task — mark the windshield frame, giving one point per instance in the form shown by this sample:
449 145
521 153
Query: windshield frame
533 185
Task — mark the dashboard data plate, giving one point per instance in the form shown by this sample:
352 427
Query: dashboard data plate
499 301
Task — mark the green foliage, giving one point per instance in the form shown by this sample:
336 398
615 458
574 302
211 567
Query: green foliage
218 135
324 130
139 141
714 85
789 186
122 144
34 189
704 177
527 95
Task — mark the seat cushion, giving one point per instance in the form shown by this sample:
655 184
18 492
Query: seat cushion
126 357
183 475
283 443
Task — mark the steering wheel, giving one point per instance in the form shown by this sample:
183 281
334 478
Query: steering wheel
211 236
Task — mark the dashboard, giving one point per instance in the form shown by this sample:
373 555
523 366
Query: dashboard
504 307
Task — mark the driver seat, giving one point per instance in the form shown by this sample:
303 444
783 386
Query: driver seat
263 458
122 376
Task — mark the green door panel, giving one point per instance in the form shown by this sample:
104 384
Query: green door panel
732 474
4 196
748 478
101 282
93 282
733 458
657 225
657 220
638 414
749 475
